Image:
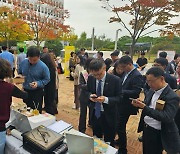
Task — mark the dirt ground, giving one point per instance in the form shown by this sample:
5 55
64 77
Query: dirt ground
70 115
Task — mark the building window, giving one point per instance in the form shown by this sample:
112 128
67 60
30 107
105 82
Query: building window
42 9
45 10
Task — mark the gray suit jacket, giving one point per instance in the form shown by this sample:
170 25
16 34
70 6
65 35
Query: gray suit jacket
169 131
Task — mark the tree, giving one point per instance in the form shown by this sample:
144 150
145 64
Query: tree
46 23
70 36
172 30
144 14
54 45
11 27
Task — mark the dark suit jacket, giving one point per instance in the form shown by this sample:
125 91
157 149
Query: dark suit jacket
171 80
84 95
131 88
112 90
169 131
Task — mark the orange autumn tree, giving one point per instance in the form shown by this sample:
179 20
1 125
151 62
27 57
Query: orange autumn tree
143 15
45 18
69 36
12 27
173 29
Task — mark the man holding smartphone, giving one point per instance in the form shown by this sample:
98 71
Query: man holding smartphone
36 77
131 88
157 119
104 92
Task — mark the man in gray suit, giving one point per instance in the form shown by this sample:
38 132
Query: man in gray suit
157 120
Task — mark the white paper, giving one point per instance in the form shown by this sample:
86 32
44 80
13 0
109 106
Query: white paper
16 134
59 126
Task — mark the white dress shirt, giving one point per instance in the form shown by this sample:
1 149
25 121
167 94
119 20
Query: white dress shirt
148 120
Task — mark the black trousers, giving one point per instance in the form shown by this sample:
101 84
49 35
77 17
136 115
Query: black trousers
49 97
102 128
36 96
152 143
84 106
121 131
83 115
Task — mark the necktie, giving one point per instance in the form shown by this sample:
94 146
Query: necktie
98 104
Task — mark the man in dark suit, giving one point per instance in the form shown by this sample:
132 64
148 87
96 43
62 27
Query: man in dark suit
171 80
162 63
131 88
104 92
157 120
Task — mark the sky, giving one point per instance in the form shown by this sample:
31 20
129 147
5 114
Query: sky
86 14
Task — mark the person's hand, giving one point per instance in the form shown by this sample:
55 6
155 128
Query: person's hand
72 69
101 99
8 131
93 97
33 84
138 103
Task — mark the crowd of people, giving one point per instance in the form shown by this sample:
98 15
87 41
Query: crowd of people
109 88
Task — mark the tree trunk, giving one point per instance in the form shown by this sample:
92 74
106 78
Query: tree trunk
132 48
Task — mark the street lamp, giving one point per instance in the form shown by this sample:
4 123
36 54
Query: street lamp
116 39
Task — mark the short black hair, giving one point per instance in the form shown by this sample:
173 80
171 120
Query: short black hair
125 60
115 53
163 54
108 61
142 53
127 52
162 61
45 47
96 64
11 51
5 69
176 56
21 49
82 49
100 53
33 52
155 71
71 53
4 47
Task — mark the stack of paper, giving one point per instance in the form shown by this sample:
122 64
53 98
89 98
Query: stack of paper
60 126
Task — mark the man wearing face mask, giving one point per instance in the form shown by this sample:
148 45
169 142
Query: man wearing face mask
36 77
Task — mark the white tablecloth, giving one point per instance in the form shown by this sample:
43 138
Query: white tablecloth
15 146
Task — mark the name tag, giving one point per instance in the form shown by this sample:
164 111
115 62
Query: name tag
160 105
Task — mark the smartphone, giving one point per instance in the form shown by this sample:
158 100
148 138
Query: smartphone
94 96
132 99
